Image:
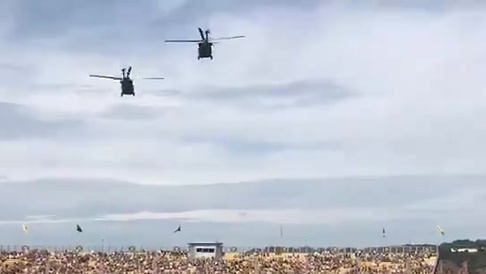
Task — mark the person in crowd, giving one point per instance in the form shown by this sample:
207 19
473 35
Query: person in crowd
152 262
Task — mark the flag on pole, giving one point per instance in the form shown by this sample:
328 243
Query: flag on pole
178 229
24 229
79 229
384 232
440 230
281 232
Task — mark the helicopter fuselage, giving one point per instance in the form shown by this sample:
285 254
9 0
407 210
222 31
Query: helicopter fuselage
205 50
127 87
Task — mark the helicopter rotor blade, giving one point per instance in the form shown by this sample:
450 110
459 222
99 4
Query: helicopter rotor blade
105 77
182 41
152 78
201 33
207 34
227 38
129 71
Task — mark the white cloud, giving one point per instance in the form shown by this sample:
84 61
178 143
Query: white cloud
287 216
337 216
467 201
418 76
467 209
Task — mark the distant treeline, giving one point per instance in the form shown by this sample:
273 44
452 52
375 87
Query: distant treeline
466 243
459 251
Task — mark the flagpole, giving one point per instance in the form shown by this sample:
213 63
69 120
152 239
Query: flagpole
385 242
78 240
25 231
441 238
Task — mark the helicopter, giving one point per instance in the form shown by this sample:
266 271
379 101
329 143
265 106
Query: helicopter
205 44
127 87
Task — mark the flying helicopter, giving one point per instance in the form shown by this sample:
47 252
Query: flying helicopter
205 44
127 87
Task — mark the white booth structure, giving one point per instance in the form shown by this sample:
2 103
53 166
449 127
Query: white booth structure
201 250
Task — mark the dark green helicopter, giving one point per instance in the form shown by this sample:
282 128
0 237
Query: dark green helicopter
205 45
127 87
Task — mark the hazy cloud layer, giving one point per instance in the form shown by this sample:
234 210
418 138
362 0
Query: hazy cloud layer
17 123
349 211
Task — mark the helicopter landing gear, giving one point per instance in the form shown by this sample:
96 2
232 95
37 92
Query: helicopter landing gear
211 57
121 94
199 58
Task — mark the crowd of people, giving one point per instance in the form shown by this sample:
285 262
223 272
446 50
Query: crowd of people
73 262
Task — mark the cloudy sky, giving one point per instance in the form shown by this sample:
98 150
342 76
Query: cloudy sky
317 89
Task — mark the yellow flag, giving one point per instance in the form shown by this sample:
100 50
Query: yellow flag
24 229
440 230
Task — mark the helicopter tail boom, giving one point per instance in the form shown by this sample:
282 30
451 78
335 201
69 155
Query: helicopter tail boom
201 33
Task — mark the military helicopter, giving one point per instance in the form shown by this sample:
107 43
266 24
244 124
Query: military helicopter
126 82
205 44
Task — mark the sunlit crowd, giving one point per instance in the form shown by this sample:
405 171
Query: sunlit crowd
72 262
